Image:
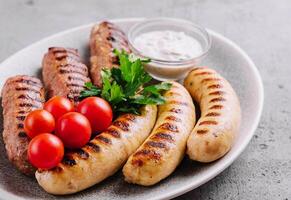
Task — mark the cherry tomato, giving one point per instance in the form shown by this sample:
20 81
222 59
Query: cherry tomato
45 151
38 121
74 130
58 106
98 111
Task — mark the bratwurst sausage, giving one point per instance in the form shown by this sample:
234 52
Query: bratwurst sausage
101 157
215 131
63 73
161 153
20 95
104 38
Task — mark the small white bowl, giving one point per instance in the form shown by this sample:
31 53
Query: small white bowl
164 69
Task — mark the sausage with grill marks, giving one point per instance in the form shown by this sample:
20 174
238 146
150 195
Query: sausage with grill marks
215 131
161 153
101 157
104 38
20 95
63 73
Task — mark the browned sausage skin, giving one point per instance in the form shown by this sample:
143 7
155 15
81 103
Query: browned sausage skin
214 133
63 73
104 38
101 157
164 149
20 95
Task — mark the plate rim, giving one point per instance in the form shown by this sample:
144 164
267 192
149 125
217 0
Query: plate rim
221 167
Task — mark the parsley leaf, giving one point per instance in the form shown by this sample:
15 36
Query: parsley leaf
124 87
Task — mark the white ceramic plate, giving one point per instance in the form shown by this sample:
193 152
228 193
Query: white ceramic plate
225 56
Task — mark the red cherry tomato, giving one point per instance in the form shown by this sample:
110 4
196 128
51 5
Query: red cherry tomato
45 151
58 106
74 130
98 111
38 121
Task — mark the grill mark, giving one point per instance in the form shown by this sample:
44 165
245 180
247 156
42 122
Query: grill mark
156 144
103 139
208 123
23 96
123 125
27 89
175 110
218 107
111 38
149 153
68 161
28 105
71 71
67 55
74 65
178 103
27 81
59 58
22 134
93 146
76 91
75 85
76 79
20 126
202 73
22 112
129 117
212 114
173 118
113 132
215 86
21 118
209 79
165 136
202 131
217 99
217 93
82 154
169 127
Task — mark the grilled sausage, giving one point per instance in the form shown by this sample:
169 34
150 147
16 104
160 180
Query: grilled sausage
63 73
101 157
161 153
20 95
215 131
105 37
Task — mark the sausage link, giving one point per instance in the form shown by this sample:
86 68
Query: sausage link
215 131
161 153
63 73
104 38
20 95
101 157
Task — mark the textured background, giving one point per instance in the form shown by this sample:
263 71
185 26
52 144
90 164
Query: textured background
261 27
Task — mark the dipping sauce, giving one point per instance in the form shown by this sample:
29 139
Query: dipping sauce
168 45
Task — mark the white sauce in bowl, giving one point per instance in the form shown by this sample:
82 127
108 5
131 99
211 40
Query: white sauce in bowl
168 45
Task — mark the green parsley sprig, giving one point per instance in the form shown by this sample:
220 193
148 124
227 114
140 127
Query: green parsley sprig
124 87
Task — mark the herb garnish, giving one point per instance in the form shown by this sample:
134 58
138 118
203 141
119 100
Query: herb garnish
124 87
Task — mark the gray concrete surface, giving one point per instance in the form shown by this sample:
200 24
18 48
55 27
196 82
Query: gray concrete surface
261 27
